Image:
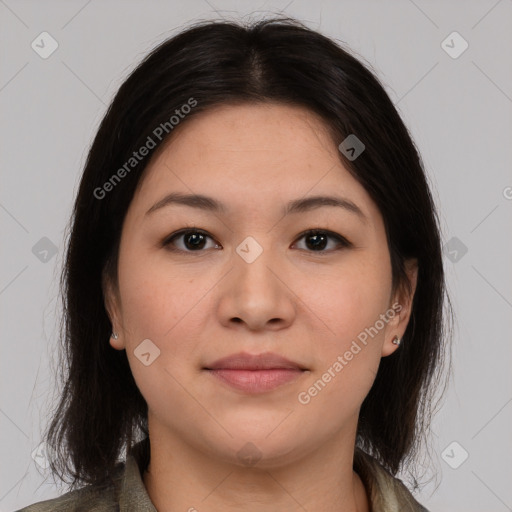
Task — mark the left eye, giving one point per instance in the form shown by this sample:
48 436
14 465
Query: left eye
318 239
194 240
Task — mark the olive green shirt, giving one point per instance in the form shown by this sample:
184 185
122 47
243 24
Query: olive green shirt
128 494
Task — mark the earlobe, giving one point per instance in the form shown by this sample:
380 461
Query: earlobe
116 342
390 347
110 298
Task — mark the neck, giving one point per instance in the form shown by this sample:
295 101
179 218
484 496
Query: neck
179 477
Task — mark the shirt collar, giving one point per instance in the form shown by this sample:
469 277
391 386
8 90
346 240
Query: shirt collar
133 496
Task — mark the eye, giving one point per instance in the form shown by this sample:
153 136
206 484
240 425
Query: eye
193 240
318 239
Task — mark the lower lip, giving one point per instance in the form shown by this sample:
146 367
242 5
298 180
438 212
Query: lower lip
257 381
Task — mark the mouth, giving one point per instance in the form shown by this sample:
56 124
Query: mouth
255 373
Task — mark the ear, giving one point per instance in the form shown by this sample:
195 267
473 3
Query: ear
401 303
112 303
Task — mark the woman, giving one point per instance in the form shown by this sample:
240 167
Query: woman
253 286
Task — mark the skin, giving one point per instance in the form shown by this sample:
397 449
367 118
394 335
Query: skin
306 305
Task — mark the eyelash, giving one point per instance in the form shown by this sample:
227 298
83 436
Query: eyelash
343 242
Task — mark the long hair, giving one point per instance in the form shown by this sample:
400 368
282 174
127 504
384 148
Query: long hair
101 410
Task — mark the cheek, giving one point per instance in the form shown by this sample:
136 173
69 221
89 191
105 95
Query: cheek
156 297
159 306
353 298
349 305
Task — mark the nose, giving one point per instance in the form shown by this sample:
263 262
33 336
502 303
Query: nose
257 293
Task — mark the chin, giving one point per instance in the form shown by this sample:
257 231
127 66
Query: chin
257 450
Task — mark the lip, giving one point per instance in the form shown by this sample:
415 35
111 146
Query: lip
255 373
245 361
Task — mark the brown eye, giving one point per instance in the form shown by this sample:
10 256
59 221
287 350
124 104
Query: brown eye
196 240
317 240
193 240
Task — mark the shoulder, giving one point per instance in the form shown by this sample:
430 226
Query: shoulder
125 491
91 498
385 491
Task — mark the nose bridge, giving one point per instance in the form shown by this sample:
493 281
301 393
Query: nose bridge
254 259
255 294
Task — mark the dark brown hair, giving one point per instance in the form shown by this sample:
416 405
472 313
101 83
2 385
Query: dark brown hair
101 410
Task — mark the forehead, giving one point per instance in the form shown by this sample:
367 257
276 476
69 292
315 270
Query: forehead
250 156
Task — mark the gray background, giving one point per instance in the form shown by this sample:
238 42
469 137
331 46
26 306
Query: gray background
457 109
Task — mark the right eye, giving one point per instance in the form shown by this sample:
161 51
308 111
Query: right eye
193 240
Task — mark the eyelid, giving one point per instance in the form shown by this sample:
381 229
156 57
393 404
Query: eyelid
167 241
331 234
342 241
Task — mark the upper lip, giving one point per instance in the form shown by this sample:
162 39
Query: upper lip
244 361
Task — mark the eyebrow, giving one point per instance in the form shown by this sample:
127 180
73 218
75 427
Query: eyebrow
306 204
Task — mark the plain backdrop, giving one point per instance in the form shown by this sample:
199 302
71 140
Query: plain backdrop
456 101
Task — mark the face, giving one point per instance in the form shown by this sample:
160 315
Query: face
252 277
